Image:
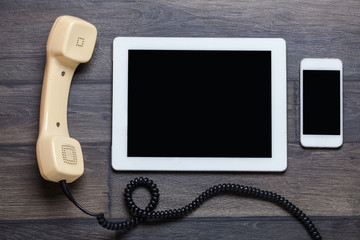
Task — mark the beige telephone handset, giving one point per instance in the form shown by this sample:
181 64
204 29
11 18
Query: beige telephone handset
71 42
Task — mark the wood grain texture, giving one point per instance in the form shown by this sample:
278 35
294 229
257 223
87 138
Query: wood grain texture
89 112
54 229
321 29
311 175
25 195
280 228
324 183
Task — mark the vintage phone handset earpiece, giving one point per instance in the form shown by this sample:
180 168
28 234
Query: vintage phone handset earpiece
71 42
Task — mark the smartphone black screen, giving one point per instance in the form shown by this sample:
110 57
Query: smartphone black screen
321 102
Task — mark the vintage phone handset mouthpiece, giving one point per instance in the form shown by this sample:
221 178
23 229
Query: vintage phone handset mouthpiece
71 41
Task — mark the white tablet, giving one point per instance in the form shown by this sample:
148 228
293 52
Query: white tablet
199 104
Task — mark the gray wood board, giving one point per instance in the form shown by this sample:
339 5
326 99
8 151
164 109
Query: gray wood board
311 29
324 183
90 106
188 228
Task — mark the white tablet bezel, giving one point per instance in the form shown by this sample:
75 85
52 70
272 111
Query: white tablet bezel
120 160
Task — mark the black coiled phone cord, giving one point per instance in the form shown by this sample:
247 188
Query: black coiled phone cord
148 213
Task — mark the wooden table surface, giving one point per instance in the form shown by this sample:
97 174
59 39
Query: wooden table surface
324 183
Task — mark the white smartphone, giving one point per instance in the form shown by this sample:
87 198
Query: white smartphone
321 103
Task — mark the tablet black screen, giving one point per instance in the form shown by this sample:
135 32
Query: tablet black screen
199 103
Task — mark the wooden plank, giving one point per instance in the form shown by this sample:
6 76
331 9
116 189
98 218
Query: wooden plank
25 195
306 26
245 228
186 228
89 113
54 229
292 134
320 182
